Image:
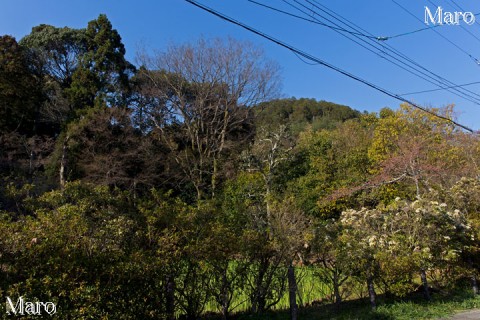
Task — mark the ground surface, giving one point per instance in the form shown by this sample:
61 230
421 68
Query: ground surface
470 315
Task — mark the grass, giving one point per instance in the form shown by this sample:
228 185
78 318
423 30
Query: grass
309 289
412 308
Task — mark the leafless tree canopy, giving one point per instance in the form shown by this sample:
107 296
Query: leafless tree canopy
204 91
240 67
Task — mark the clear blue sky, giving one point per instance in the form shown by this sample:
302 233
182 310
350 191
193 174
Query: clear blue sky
155 24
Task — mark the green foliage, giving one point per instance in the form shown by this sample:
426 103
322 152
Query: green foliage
300 113
254 186
413 150
80 250
334 160
421 235
56 51
104 70
19 91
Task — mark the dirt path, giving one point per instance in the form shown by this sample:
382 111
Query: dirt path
470 315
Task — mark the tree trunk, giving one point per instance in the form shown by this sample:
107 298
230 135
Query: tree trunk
474 284
63 163
473 277
426 291
214 177
371 292
225 295
134 189
199 191
258 299
292 293
170 297
30 166
417 186
336 288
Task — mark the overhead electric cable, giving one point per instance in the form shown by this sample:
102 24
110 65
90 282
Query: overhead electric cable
433 90
411 32
445 82
321 62
387 50
379 38
382 54
458 6
462 27
309 20
354 26
441 35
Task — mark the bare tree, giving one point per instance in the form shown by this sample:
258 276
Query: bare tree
200 98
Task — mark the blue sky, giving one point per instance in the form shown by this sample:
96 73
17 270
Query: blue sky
155 24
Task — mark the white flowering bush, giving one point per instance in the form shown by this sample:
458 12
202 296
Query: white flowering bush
394 242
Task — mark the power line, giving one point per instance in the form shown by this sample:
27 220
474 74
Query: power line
304 61
379 38
310 20
442 82
382 54
462 27
458 6
428 28
354 26
433 90
410 32
441 35
321 62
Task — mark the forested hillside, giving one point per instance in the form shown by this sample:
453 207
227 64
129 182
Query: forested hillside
183 185
298 114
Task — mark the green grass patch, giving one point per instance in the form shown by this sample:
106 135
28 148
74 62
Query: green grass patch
411 308
309 289
356 306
